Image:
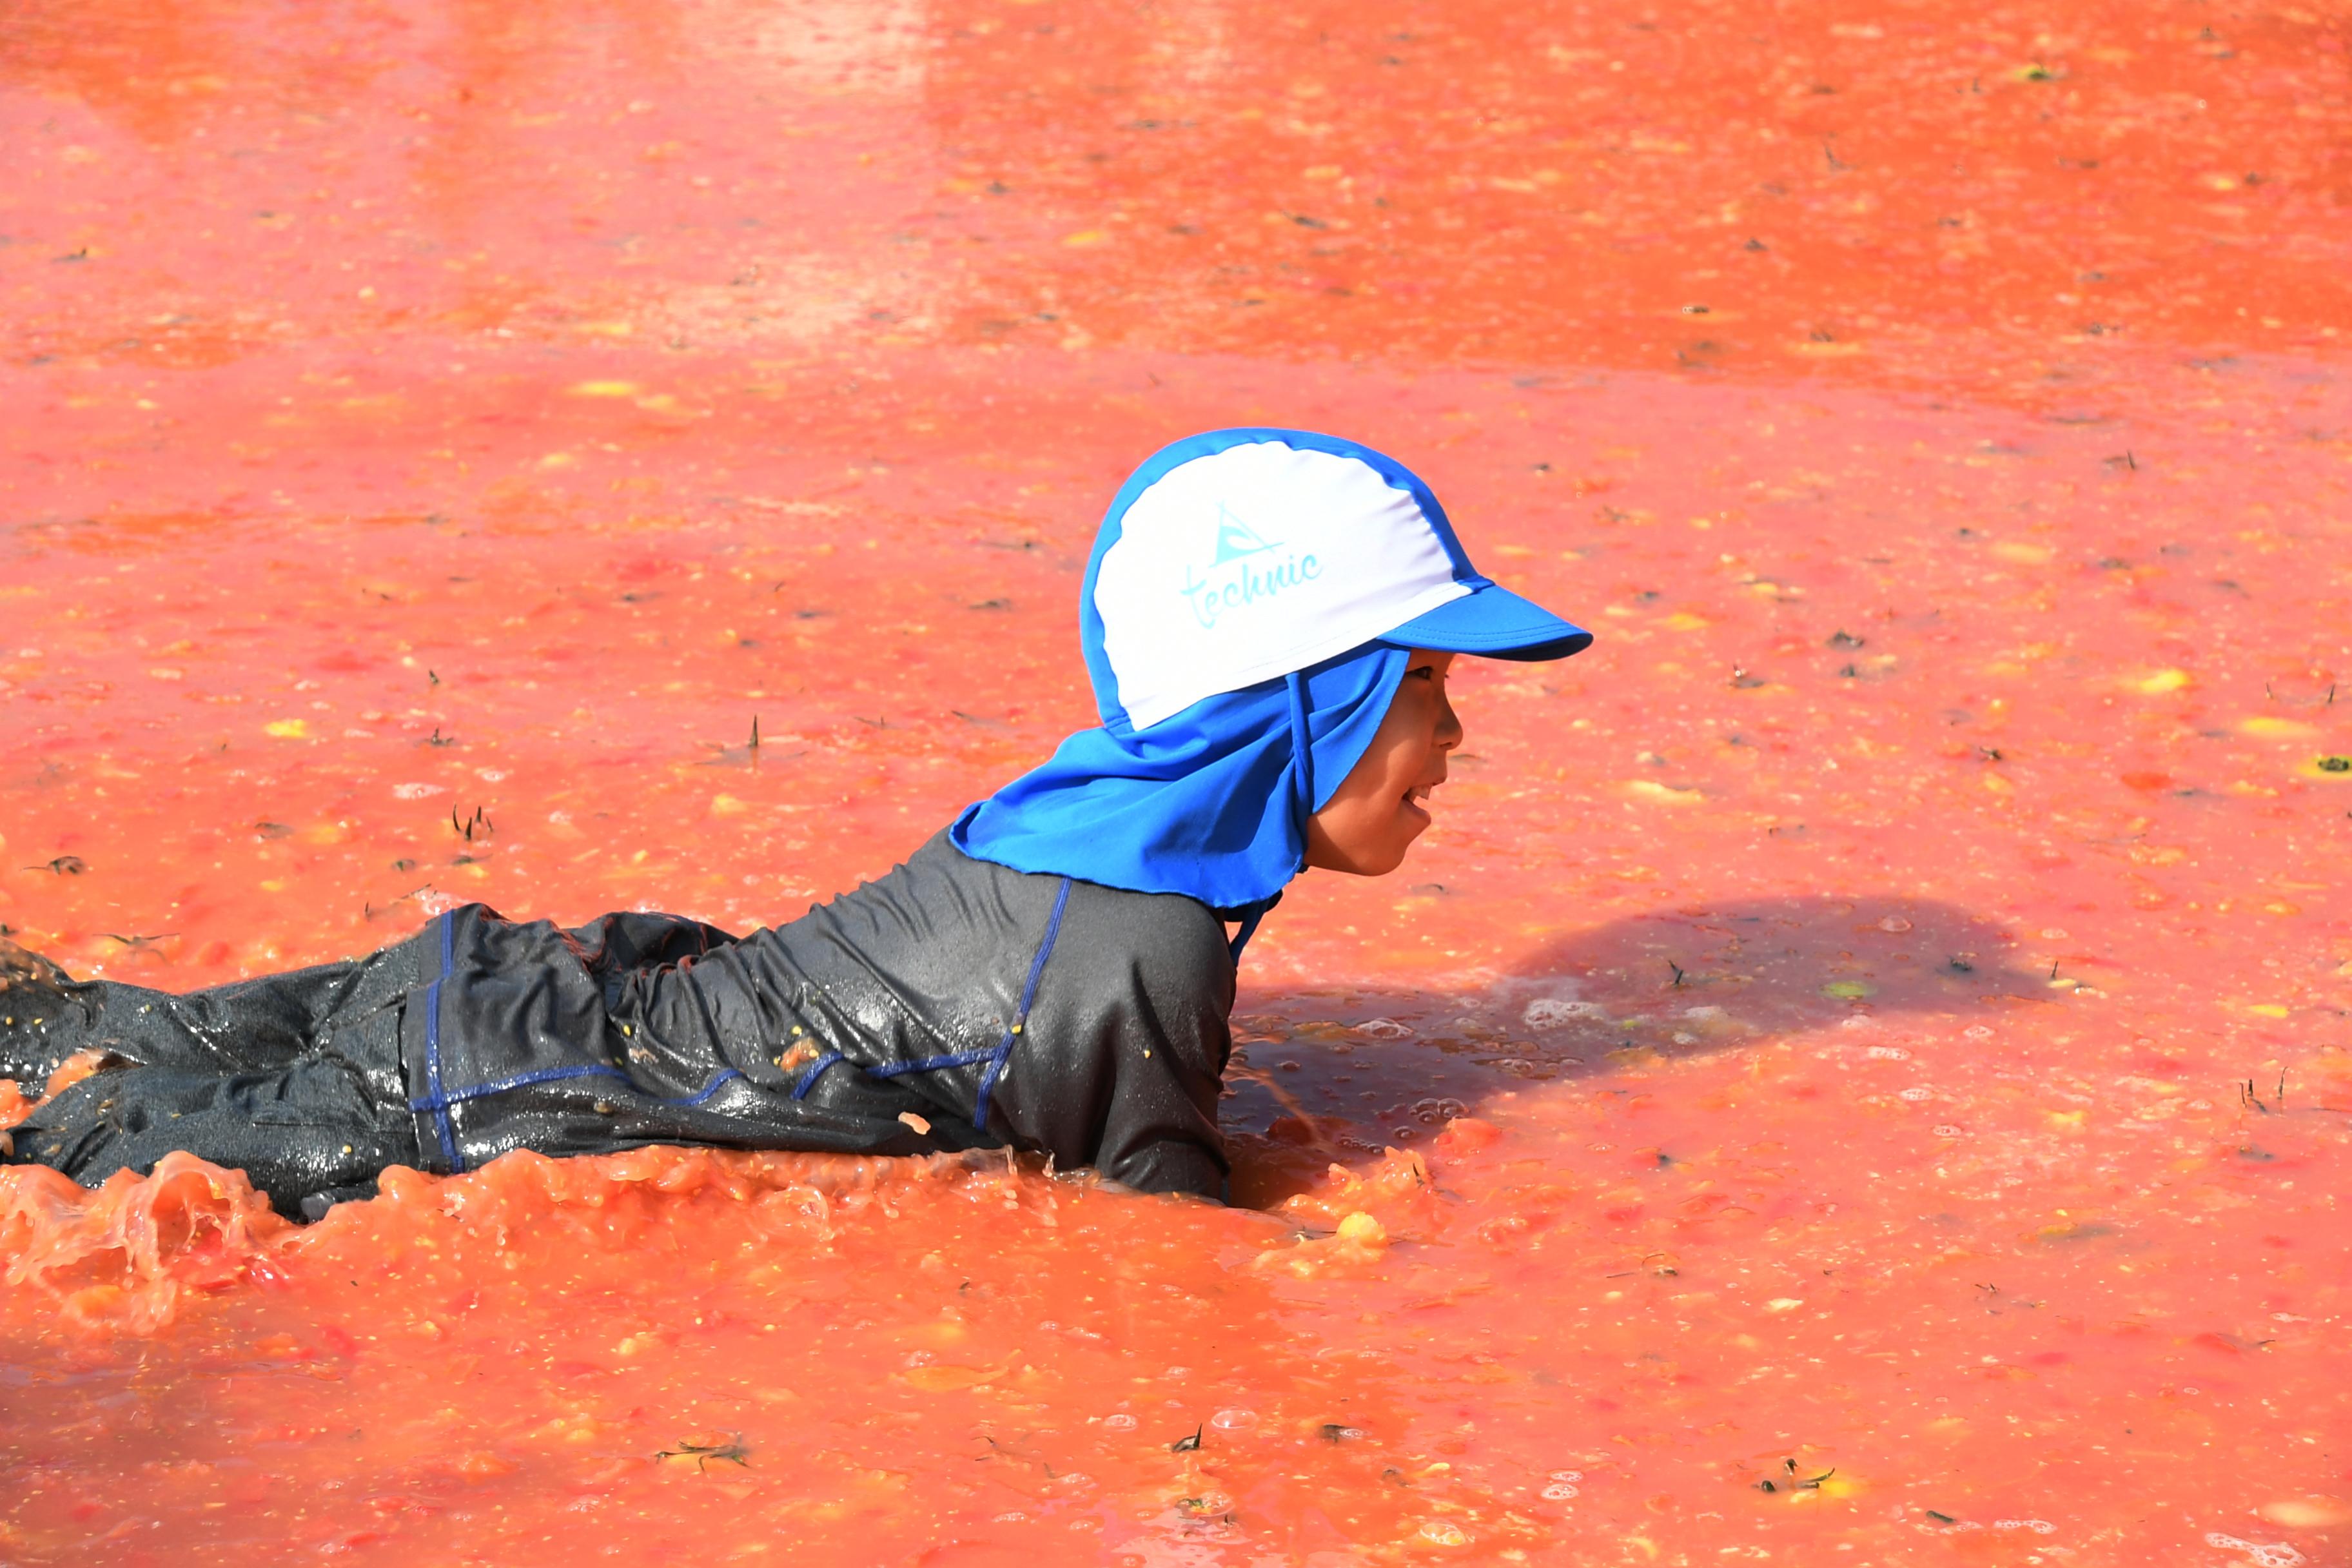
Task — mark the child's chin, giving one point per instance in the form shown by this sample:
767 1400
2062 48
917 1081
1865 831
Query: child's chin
1403 850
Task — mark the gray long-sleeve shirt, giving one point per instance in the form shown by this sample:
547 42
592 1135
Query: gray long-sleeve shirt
883 1022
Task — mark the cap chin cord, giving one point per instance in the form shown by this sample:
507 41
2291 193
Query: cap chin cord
1302 795
1250 919
1302 759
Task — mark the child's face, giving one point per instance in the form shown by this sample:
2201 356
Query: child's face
1377 812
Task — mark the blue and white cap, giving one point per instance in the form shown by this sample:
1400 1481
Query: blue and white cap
1244 555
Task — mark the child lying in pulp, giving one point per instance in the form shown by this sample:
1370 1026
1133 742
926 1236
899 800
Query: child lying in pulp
1267 618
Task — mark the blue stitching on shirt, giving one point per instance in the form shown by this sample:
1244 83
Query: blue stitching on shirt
551 1075
1020 1019
435 1100
929 1064
816 1071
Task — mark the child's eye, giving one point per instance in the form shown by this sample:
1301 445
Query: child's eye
1422 670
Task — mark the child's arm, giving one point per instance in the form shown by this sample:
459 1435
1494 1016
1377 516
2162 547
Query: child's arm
1125 1053
1159 1126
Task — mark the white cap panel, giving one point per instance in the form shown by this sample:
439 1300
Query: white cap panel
1250 563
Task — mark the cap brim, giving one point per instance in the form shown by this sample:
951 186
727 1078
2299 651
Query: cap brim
1493 623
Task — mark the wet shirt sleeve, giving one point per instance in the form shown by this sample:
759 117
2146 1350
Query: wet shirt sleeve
1126 1048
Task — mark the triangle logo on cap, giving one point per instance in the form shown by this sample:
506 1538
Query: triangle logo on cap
1235 538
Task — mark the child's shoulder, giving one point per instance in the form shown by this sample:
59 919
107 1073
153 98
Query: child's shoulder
1164 938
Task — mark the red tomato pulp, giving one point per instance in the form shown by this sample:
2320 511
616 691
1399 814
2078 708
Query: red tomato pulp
1885 1005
